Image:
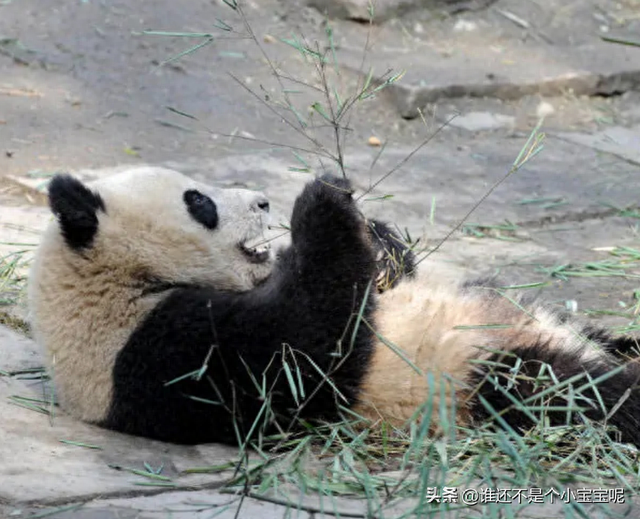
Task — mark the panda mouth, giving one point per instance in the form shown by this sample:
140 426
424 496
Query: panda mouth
256 250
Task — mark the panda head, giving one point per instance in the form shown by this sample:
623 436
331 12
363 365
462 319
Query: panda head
158 227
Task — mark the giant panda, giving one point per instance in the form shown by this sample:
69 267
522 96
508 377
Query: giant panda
163 315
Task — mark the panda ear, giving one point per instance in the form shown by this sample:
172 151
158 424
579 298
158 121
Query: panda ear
75 207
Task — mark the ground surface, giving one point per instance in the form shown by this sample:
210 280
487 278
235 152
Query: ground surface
81 89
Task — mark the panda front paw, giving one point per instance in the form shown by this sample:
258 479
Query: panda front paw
326 211
339 184
394 257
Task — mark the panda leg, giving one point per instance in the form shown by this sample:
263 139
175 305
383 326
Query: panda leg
615 398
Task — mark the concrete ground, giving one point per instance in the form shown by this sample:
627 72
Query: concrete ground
82 90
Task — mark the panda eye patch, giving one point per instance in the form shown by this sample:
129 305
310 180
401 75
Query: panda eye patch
201 208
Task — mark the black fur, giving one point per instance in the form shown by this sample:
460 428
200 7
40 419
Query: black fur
520 384
201 208
296 328
75 206
623 347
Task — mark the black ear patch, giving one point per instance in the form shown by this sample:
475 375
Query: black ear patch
201 208
75 207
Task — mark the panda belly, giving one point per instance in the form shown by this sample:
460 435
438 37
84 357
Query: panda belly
417 356
428 336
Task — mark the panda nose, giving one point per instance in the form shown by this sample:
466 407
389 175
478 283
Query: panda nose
261 203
